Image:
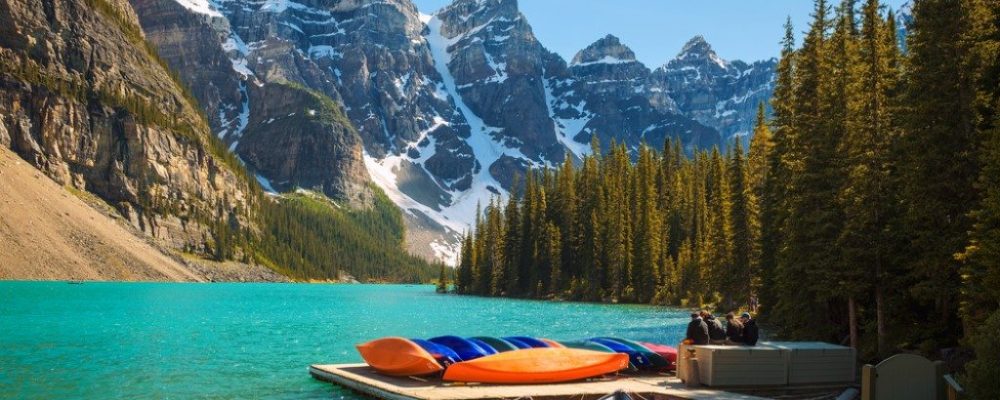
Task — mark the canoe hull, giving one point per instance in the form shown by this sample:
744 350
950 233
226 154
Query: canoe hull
498 344
465 349
667 352
537 365
398 357
656 361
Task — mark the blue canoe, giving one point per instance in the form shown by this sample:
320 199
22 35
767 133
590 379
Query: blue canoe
466 349
634 356
444 355
517 343
530 341
655 359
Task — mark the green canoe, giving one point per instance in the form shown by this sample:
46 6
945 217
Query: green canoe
499 344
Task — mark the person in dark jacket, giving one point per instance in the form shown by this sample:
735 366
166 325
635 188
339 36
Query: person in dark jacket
697 331
750 331
734 329
716 334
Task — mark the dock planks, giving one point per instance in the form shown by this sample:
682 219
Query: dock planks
362 379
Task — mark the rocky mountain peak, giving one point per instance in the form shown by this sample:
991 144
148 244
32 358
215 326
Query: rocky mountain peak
608 49
698 51
463 16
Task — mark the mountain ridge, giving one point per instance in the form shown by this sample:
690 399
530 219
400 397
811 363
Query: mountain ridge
448 107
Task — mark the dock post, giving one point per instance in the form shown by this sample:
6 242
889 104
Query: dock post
868 376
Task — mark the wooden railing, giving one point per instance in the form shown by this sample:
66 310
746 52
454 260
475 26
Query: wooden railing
954 390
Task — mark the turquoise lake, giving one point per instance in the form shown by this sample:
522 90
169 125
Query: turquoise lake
179 341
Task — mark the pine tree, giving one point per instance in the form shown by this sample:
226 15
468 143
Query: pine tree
492 271
865 196
758 169
540 271
810 223
463 278
529 238
981 259
553 259
511 244
741 275
566 218
442 283
939 162
773 209
646 244
590 228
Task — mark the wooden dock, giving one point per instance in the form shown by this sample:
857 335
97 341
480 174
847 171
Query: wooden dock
361 378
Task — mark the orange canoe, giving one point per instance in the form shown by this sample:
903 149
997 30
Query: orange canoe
552 343
537 365
398 356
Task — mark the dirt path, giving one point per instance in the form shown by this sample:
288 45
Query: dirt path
47 233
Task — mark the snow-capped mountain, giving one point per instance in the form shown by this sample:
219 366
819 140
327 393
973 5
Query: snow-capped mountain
718 93
440 111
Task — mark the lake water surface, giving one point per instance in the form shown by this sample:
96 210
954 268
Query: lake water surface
179 340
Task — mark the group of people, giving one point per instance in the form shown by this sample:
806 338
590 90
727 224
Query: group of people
704 328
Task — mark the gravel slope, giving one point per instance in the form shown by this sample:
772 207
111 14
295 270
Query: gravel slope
47 233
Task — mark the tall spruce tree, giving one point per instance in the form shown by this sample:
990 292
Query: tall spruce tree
773 208
866 196
810 223
981 259
758 169
939 163
741 276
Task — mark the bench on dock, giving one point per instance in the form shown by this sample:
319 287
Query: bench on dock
769 364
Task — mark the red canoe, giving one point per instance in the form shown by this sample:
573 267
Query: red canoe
664 351
398 356
537 365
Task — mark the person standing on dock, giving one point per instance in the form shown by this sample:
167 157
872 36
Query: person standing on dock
750 331
697 330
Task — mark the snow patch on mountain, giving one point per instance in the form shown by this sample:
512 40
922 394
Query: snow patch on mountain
200 7
604 60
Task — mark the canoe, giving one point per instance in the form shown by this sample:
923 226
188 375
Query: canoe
667 352
636 357
587 345
530 341
590 345
444 355
466 350
517 343
483 345
399 357
498 344
656 361
537 365
552 343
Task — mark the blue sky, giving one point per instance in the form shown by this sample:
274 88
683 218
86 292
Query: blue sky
657 29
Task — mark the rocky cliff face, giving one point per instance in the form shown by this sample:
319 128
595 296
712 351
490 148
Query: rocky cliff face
715 92
83 99
499 70
274 93
616 91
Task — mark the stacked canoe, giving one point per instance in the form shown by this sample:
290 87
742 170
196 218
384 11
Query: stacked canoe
514 359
